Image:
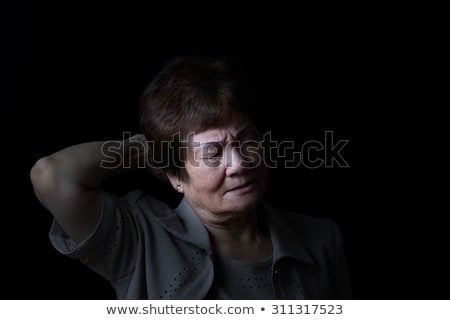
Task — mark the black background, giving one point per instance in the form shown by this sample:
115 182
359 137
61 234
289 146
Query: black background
76 74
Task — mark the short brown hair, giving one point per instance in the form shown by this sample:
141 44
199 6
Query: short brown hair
189 94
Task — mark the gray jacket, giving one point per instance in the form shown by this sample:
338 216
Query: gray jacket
149 251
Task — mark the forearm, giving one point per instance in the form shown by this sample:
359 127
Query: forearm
79 164
88 164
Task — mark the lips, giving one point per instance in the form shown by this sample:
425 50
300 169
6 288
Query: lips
241 186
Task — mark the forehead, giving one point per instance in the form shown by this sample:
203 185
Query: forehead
233 128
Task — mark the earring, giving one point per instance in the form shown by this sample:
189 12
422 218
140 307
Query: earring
178 188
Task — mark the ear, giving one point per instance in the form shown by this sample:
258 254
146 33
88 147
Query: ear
175 181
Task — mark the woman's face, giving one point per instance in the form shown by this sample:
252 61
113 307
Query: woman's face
225 168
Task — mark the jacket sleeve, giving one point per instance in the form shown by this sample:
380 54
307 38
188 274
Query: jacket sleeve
110 250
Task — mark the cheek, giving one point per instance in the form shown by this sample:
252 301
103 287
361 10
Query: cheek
205 179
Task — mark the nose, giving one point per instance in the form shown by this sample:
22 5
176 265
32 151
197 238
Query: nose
233 160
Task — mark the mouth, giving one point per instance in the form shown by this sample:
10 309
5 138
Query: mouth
243 188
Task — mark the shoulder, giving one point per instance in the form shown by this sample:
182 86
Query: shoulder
137 201
308 228
304 221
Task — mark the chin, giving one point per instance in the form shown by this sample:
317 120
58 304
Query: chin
246 202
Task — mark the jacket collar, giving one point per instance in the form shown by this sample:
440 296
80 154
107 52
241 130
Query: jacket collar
284 240
195 232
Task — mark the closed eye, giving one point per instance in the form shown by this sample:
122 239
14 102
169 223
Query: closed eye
212 150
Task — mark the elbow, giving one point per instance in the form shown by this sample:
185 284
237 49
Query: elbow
42 176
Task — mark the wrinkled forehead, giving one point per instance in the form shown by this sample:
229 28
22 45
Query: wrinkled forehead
231 130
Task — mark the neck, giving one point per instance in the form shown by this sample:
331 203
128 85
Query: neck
239 236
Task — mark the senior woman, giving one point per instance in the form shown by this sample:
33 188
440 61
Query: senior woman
222 241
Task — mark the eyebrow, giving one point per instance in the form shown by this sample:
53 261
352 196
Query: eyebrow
239 134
